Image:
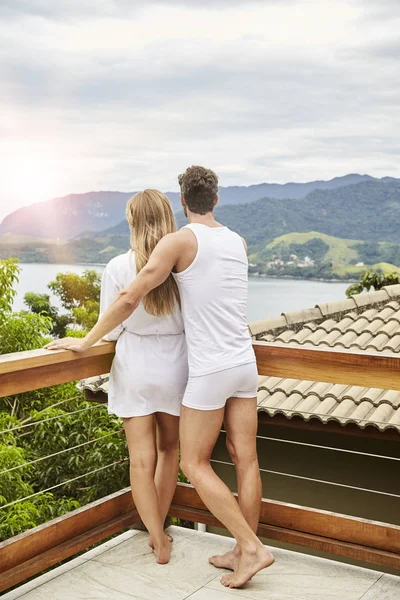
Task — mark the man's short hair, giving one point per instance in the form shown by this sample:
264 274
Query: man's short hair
199 188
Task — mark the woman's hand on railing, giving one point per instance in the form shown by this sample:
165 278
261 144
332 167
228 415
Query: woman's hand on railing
69 343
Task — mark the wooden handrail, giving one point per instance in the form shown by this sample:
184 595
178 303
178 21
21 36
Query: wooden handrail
330 365
24 371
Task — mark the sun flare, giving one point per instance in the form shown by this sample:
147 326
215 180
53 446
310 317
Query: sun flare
30 177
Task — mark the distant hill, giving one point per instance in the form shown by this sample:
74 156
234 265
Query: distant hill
328 255
70 216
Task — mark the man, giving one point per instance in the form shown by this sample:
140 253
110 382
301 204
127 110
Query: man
209 263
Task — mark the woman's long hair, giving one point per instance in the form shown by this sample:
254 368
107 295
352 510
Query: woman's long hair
150 218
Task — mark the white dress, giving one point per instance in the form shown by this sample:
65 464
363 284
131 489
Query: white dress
150 369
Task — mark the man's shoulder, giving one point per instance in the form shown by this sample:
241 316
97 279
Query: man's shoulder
178 237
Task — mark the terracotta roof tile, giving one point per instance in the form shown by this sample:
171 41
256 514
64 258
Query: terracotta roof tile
302 316
370 298
285 336
393 291
394 343
339 306
260 326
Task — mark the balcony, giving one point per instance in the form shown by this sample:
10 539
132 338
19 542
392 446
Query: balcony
124 567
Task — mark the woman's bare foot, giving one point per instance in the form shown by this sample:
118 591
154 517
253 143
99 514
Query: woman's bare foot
249 564
229 560
151 543
163 551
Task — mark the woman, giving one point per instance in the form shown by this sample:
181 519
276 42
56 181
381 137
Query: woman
149 372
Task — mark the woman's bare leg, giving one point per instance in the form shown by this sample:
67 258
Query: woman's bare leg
140 435
167 467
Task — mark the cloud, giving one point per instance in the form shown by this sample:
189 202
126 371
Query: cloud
129 93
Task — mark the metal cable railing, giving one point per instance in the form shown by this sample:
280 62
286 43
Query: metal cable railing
53 487
37 460
35 423
323 481
320 447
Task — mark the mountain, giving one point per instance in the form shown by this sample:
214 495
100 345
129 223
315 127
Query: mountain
70 216
367 211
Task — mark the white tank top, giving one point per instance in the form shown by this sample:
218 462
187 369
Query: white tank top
213 293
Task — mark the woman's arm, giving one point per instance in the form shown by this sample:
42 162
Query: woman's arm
159 267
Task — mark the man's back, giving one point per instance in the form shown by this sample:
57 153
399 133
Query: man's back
213 291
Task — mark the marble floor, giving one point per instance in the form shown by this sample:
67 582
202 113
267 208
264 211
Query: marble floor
124 568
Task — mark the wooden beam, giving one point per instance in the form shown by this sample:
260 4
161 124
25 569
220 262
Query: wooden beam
25 371
336 527
37 549
298 538
375 369
36 541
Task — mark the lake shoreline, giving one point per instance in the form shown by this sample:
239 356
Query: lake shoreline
294 278
251 275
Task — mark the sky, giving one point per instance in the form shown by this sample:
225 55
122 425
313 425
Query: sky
125 94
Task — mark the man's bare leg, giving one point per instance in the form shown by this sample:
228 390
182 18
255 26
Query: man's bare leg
241 430
199 431
140 435
167 468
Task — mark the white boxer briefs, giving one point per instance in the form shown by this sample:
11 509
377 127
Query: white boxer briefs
210 392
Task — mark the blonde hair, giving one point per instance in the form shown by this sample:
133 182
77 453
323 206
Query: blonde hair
150 218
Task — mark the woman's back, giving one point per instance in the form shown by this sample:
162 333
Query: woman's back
118 274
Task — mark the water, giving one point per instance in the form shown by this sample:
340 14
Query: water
267 297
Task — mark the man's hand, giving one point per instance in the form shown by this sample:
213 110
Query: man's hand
69 343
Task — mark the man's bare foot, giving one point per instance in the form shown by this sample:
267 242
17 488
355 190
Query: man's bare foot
163 551
151 543
250 563
230 560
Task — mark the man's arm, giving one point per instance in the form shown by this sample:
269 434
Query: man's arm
157 270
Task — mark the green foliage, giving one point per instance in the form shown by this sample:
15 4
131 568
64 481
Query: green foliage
33 512
79 296
56 439
373 279
22 331
40 304
87 315
9 275
74 290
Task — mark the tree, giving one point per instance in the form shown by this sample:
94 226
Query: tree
372 279
80 298
52 436
40 304
9 275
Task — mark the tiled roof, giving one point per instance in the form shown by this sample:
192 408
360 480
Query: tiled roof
369 322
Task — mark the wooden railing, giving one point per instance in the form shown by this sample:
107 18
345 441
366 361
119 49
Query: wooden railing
37 549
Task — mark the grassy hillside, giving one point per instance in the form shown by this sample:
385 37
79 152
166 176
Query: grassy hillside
315 254
340 251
